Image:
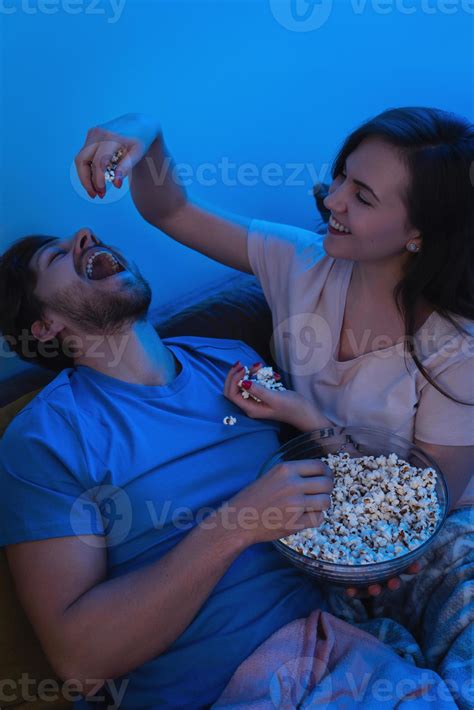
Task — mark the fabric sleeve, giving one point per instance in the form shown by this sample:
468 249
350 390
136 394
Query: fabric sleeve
441 421
43 480
278 252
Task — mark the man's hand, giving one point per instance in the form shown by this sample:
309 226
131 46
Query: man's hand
290 497
133 132
280 405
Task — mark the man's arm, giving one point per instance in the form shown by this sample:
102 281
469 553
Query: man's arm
92 628
162 201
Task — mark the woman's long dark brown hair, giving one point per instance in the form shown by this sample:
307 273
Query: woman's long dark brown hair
438 149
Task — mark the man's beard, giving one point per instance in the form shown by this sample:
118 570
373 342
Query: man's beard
105 312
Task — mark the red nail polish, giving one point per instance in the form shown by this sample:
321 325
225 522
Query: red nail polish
276 376
246 384
236 363
241 368
256 364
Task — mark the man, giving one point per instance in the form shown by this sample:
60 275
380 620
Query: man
135 527
139 537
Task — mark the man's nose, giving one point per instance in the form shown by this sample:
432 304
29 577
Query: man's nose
84 238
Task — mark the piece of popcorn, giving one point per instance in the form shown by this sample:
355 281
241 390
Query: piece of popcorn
230 420
109 172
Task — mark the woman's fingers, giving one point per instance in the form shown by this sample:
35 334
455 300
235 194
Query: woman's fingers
130 158
83 161
255 368
375 589
96 155
231 386
233 391
102 159
394 583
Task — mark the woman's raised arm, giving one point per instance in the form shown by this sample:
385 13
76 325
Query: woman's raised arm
156 189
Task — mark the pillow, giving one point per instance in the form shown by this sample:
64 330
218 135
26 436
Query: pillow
11 410
239 312
21 653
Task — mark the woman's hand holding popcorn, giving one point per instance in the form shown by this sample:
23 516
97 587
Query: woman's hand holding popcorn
280 405
112 149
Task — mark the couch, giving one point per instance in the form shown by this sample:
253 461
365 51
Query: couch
237 310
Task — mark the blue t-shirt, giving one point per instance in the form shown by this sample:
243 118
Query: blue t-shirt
140 465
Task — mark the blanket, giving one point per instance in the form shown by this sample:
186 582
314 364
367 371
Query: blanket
413 648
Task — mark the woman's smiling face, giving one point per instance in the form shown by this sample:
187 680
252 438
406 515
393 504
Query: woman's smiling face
374 212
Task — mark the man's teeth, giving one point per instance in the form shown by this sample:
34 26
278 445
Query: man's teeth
90 261
336 225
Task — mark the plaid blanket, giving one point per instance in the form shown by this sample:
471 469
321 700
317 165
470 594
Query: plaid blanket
413 648
430 619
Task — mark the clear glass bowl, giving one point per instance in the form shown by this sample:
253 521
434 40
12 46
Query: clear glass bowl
357 441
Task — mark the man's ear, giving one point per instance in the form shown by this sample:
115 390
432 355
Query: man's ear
46 329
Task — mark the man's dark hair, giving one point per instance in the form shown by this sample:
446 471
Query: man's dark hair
20 307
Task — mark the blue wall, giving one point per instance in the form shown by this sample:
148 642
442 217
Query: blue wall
228 79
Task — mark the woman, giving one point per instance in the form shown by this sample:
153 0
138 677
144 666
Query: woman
375 326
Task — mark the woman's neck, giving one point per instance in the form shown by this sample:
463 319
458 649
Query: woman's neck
373 284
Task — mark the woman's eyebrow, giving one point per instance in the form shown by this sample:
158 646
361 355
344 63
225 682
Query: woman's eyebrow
363 184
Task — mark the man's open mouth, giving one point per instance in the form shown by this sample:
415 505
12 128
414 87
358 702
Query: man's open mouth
102 264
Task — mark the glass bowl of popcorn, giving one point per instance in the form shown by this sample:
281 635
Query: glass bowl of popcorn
388 504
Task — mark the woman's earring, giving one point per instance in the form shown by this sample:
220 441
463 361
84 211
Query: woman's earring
413 247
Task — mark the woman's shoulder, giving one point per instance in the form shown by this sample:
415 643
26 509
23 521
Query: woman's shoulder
286 241
445 342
